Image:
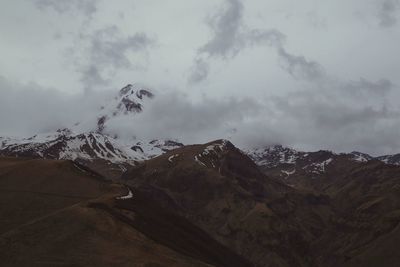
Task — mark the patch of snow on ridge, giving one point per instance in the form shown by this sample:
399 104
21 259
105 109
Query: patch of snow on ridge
214 148
288 173
272 156
199 161
172 157
385 160
318 167
360 157
156 148
128 196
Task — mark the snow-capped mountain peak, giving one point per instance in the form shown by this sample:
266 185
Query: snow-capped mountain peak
274 155
83 143
290 161
130 100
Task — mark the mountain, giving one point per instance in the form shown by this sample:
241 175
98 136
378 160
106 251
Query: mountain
198 205
310 169
83 196
348 221
275 155
97 147
84 146
390 159
130 100
219 189
95 143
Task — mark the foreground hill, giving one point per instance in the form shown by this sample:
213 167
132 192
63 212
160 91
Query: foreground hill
55 213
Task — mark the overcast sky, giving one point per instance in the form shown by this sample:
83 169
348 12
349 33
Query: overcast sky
310 74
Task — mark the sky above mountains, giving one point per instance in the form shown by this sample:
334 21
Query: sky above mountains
307 74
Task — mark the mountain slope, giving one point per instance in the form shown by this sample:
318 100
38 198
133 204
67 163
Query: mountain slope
352 208
59 214
312 170
97 147
222 191
198 205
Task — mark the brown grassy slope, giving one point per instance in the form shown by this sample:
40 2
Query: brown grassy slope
225 194
30 189
84 236
53 213
365 227
365 198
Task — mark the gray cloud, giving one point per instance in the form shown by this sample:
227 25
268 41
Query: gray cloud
230 36
387 14
342 116
364 87
199 71
328 106
109 51
337 115
299 67
173 115
225 26
87 7
28 109
91 77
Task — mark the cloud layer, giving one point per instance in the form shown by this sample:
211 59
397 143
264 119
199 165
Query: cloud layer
230 36
388 12
108 52
259 72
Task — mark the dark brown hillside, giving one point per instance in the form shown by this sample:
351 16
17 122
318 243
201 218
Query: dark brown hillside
222 191
34 188
56 213
367 201
199 205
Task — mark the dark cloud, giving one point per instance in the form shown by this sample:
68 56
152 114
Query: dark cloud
87 7
174 115
199 71
230 36
388 10
108 52
337 115
322 110
225 26
28 109
272 37
91 77
364 87
299 67
330 114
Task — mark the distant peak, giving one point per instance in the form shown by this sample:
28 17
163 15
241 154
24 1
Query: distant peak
135 90
125 90
144 92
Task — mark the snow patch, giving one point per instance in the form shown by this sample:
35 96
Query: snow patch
128 196
288 173
199 161
172 157
318 167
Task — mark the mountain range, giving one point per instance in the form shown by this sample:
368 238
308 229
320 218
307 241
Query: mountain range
83 196
89 144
